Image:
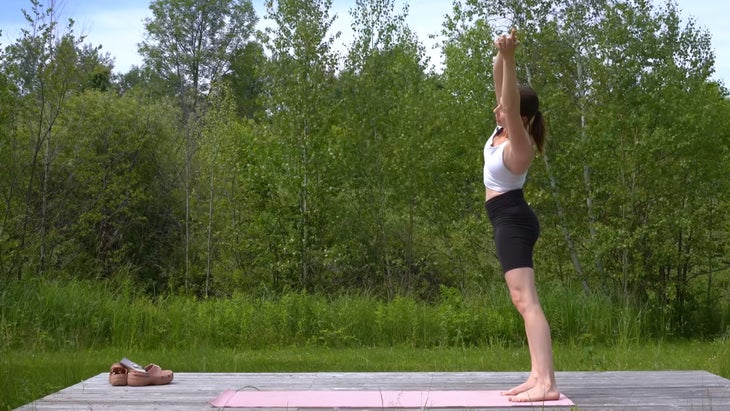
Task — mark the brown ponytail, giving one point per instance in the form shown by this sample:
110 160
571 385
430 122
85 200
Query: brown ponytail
530 108
537 131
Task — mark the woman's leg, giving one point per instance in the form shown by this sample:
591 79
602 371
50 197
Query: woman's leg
540 385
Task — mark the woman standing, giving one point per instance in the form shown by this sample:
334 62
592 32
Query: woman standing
508 154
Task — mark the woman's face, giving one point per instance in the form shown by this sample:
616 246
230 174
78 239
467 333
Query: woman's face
499 115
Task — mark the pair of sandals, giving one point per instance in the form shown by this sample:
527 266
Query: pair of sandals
127 372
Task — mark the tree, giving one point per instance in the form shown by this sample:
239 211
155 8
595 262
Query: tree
42 64
245 79
96 69
224 132
301 74
189 45
190 42
388 112
118 214
10 170
637 83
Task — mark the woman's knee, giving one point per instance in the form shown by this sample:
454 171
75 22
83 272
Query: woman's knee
521 283
524 301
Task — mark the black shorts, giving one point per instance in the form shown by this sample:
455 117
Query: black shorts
516 229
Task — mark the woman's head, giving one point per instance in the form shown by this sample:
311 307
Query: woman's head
530 112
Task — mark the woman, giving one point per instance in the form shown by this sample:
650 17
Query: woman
508 155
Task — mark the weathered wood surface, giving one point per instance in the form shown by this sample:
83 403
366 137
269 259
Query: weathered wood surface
624 390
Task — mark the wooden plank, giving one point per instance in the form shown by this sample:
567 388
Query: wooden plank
624 390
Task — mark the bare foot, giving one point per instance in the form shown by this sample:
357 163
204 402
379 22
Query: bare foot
531 381
537 394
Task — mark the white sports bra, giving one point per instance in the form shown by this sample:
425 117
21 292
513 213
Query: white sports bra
496 175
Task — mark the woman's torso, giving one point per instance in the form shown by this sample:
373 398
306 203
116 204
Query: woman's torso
497 178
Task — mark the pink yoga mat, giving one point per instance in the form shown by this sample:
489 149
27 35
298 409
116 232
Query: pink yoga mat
373 399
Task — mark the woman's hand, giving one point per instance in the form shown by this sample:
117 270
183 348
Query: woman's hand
507 44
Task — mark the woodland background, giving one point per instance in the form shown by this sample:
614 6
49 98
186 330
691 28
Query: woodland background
238 160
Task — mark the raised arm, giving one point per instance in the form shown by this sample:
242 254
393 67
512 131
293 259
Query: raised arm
520 151
497 71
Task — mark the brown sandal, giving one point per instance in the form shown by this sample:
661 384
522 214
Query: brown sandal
154 376
118 374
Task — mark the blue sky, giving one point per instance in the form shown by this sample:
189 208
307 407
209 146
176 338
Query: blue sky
118 24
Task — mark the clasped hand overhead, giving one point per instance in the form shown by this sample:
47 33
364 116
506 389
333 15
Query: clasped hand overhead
506 44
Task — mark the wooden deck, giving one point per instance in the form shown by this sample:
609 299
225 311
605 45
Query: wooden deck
643 390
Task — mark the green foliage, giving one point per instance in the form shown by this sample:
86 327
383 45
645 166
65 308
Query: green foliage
189 42
10 170
300 75
116 163
86 314
43 68
283 167
245 80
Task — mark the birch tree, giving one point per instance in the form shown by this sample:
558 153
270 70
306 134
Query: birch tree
189 44
301 73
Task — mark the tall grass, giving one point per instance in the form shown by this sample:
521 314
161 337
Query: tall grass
79 328
45 315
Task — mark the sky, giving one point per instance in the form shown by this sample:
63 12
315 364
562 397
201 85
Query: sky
118 26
